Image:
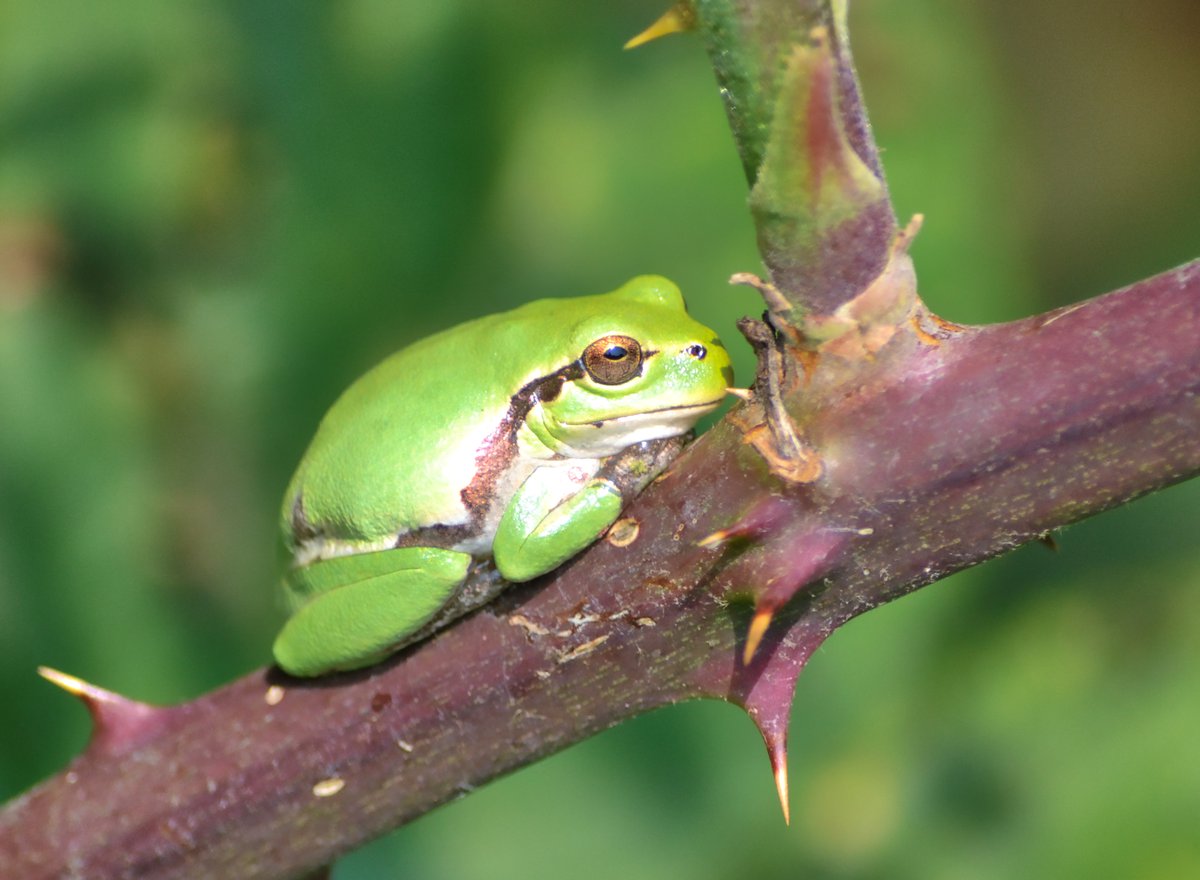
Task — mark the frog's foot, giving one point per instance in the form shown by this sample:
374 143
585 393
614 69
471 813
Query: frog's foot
352 611
538 533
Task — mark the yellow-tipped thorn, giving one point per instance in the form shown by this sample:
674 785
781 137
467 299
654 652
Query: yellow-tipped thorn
754 635
715 538
676 20
97 699
781 787
743 393
75 686
118 723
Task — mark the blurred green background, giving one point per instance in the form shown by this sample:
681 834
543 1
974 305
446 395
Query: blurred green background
214 214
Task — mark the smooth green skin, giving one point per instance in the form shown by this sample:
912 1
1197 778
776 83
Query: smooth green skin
399 451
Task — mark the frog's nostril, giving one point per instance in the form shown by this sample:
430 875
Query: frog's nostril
696 350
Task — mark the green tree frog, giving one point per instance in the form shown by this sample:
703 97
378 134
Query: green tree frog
518 436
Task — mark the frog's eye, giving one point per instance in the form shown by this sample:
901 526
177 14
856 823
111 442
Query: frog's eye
613 360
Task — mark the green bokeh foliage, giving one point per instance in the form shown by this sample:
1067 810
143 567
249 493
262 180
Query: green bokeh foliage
214 214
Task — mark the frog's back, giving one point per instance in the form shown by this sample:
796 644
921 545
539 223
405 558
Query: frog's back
396 450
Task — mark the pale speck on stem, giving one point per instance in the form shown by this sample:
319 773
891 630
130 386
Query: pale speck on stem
328 787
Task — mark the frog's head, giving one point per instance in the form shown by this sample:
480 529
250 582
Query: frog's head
644 370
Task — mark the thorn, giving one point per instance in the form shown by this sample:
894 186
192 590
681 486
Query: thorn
676 20
118 723
762 517
758 628
743 393
776 301
905 236
77 687
1049 540
781 786
776 742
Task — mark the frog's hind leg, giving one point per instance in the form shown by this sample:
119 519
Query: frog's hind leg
352 611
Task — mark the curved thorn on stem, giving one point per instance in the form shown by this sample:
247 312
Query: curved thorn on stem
676 20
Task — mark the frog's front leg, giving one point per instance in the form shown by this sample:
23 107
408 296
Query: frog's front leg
352 611
553 515
550 518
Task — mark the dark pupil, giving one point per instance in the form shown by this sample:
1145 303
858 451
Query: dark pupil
615 352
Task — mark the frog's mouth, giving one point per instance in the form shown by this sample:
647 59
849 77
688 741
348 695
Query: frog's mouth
681 412
618 432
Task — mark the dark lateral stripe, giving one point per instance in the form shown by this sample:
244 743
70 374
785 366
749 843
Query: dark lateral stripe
500 448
